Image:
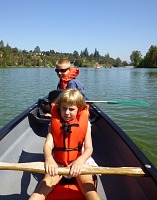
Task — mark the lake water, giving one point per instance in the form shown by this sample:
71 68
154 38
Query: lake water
21 87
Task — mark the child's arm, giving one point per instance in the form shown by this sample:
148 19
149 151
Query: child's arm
88 149
50 164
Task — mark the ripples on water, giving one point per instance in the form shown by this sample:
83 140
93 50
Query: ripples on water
20 88
140 123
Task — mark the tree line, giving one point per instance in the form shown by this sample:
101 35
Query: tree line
149 60
13 57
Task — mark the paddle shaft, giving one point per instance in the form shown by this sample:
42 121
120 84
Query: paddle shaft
38 167
134 103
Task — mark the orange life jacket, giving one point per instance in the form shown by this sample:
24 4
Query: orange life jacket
68 137
73 72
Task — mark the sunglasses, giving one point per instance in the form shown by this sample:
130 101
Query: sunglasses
61 70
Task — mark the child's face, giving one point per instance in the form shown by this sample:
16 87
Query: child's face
68 112
61 73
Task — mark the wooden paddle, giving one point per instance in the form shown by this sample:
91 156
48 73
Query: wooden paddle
38 167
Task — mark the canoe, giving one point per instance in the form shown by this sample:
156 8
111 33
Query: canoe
22 140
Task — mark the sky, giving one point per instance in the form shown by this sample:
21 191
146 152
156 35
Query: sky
114 27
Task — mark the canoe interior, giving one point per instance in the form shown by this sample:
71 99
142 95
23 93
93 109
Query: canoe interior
22 140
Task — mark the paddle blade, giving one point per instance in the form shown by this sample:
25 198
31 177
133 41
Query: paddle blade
134 103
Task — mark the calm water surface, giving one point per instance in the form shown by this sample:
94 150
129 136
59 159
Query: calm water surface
20 88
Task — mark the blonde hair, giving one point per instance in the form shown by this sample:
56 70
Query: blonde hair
73 97
63 61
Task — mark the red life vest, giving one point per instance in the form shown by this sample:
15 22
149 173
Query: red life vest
68 137
68 77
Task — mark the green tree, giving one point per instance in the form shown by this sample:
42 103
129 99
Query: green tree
96 54
118 63
84 53
124 63
150 60
79 62
76 54
37 50
136 58
1 43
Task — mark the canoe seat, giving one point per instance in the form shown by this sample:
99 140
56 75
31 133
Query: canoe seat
44 106
39 117
53 95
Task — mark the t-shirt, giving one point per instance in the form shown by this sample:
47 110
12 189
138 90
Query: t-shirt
75 83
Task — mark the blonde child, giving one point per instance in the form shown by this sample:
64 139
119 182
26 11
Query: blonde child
69 132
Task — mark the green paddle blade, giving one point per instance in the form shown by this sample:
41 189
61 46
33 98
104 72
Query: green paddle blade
132 103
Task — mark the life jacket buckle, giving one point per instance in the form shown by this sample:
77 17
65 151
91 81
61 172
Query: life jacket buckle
67 127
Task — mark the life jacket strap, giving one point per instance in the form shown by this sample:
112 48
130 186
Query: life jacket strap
65 149
79 148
